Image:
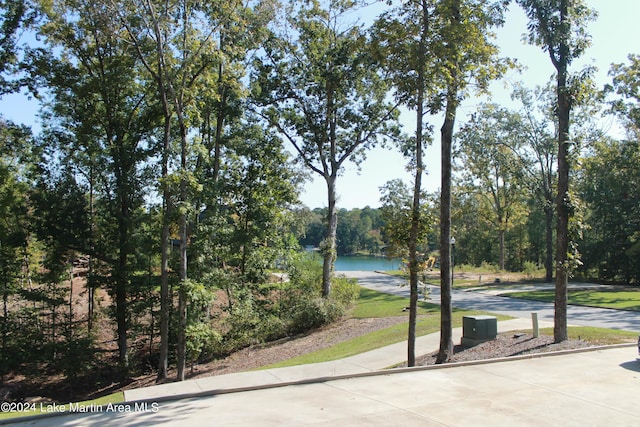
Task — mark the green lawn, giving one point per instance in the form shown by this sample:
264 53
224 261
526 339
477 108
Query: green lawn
377 304
619 300
596 336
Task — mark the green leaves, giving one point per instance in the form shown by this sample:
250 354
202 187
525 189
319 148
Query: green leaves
559 27
320 90
626 84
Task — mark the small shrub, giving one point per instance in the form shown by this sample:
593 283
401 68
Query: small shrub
529 269
486 266
271 328
305 273
345 291
201 338
310 313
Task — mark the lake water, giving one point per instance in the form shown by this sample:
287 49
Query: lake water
366 263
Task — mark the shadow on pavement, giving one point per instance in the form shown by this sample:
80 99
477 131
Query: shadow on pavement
633 365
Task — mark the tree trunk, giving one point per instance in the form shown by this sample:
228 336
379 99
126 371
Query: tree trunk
70 331
562 226
562 201
121 292
165 301
413 234
329 249
446 311
182 297
415 210
90 274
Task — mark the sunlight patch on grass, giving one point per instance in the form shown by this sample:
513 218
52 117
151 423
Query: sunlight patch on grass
377 304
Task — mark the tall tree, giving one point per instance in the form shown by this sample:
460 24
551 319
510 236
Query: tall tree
626 84
559 27
434 48
609 184
188 47
14 228
258 186
322 91
404 41
14 14
100 110
467 54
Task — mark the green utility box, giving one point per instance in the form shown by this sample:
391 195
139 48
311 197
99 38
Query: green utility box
478 329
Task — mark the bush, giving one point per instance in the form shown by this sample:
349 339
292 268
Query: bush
271 328
305 273
530 269
201 338
310 313
345 291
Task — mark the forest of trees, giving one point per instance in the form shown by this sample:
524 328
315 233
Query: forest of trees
154 210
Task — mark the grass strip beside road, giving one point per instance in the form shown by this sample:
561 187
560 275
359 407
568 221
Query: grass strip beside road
618 300
596 336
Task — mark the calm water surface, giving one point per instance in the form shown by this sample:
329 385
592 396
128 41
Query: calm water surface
366 263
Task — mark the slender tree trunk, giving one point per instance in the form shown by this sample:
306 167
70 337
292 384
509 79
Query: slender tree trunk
5 328
415 210
182 296
563 200
329 251
562 226
90 274
165 301
415 227
446 310
121 292
70 332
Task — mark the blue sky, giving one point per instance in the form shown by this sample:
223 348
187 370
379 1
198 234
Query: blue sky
615 35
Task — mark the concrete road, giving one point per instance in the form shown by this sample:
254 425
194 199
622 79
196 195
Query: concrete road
576 315
596 388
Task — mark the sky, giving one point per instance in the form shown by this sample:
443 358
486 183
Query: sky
615 35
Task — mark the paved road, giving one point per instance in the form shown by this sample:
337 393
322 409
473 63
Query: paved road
576 315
